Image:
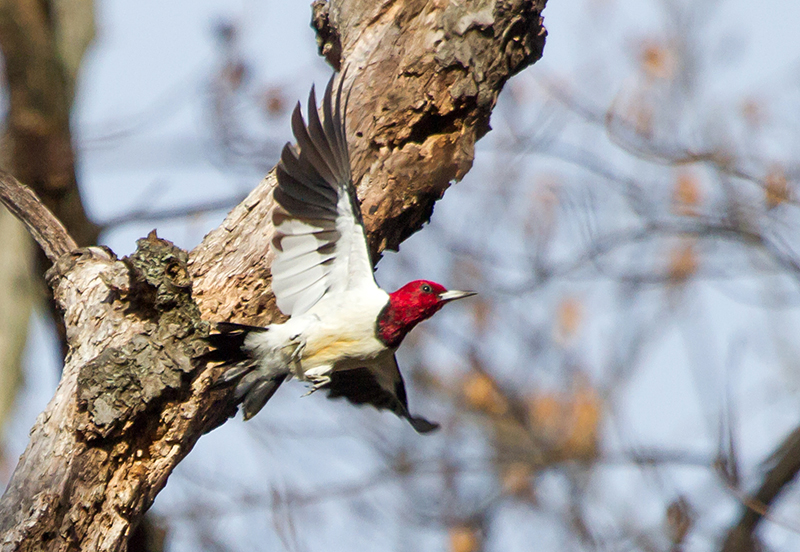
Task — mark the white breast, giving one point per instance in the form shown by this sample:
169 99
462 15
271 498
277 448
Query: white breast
342 329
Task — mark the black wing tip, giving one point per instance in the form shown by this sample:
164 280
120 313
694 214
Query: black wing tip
316 163
422 426
329 86
297 121
312 99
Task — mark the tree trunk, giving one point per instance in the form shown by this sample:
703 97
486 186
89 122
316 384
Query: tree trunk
424 77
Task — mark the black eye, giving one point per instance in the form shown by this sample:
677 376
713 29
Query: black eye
426 288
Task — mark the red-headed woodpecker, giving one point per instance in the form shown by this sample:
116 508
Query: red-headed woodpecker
343 330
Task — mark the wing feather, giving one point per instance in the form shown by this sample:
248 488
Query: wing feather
292 226
320 246
380 386
340 131
297 265
301 207
304 172
309 151
302 281
312 244
312 198
317 136
306 184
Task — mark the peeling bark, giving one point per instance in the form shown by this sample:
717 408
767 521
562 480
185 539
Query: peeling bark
133 400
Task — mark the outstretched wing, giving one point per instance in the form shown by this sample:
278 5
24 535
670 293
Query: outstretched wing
380 386
319 243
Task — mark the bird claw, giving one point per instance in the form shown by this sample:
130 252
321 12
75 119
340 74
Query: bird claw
318 383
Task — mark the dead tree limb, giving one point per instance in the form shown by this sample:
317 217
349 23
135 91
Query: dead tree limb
43 226
133 401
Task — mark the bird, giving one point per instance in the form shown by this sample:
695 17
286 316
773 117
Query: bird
342 330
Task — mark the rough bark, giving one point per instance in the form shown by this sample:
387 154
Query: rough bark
133 401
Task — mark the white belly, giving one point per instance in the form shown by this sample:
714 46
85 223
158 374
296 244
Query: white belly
342 330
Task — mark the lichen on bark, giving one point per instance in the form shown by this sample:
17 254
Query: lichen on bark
125 382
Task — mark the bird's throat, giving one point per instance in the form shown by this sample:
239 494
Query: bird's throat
390 328
397 318
394 325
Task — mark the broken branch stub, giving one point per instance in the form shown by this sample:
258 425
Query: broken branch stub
45 228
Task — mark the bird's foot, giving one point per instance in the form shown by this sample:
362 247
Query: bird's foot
317 383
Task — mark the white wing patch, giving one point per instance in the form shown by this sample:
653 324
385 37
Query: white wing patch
319 243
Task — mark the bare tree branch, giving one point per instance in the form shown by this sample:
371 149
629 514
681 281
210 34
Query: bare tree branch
45 228
158 215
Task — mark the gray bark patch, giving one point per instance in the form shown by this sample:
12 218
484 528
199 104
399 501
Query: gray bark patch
122 383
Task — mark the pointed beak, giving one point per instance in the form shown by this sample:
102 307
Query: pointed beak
453 294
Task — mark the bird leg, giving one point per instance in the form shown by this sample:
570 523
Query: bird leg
298 350
318 377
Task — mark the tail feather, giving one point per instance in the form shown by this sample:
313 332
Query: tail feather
234 373
228 343
253 387
259 394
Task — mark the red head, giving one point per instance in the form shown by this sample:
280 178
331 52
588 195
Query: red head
411 304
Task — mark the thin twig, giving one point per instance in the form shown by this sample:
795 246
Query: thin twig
43 225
